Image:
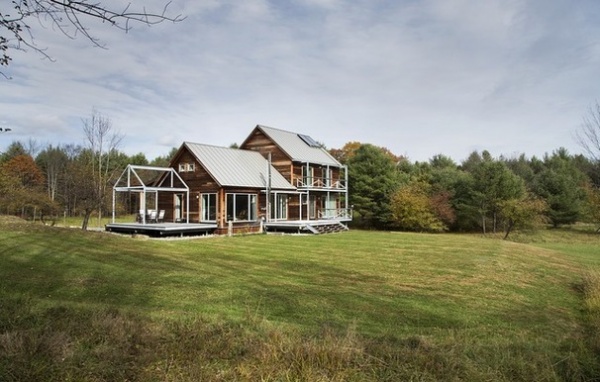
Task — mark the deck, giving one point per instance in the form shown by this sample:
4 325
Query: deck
162 229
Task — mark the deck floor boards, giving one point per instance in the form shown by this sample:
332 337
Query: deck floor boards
161 229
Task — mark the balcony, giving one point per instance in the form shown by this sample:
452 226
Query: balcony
320 183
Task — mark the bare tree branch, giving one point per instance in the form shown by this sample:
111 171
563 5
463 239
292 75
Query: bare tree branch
588 135
69 17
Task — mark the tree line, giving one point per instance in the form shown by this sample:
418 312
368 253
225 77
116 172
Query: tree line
483 193
66 180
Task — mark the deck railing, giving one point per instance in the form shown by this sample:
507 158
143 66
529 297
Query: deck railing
320 183
335 213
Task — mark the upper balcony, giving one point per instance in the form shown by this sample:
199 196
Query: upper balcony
319 183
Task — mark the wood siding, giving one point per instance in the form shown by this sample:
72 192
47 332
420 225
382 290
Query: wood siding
201 182
258 141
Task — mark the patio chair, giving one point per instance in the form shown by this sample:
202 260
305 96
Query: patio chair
161 216
140 216
152 218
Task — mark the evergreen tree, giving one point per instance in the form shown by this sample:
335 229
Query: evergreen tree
560 185
373 178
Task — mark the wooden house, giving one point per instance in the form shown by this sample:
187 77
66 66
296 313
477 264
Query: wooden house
227 187
277 180
320 180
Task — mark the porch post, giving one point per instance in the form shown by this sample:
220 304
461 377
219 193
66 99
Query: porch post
113 205
187 207
346 190
156 202
143 206
308 205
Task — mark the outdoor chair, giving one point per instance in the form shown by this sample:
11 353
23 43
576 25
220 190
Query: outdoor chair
152 217
140 216
161 216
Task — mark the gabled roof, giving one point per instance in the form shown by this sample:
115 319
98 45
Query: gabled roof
237 168
298 147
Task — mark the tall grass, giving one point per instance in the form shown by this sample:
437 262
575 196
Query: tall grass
358 306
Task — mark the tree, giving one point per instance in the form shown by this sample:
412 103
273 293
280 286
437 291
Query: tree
471 162
14 149
413 209
21 187
53 162
522 167
69 17
344 154
560 185
83 189
524 212
373 178
103 141
493 182
593 204
588 134
26 171
10 191
163 161
442 161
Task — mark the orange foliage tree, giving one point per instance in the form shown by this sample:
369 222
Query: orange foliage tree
21 187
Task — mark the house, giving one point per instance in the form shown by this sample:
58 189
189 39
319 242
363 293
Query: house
277 180
320 180
227 186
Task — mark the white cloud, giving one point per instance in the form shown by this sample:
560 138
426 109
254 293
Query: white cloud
421 78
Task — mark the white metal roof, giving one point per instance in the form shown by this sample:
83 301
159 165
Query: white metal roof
237 168
297 149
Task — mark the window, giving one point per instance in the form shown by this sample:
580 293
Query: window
209 207
241 207
307 176
279 206
185 167
328 177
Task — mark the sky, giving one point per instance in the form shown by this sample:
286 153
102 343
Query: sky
420 78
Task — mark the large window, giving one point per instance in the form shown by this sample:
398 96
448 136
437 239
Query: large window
241 207
209 207
328 175
279 206
308 173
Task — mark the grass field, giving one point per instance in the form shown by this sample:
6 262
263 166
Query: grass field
356 306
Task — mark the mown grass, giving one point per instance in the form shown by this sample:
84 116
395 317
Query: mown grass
93 223
357 306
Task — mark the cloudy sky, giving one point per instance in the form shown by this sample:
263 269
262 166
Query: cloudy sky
418 77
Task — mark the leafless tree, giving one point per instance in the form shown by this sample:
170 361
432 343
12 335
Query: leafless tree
588 135
69 17
102 144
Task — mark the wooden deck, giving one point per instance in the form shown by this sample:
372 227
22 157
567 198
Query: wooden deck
162 229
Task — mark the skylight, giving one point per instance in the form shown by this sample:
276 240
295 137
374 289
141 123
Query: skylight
308 140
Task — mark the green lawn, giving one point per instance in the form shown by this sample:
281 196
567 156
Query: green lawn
353 306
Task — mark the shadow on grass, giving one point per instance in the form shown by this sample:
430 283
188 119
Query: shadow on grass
62 265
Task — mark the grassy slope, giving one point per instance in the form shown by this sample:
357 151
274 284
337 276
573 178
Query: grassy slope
354 306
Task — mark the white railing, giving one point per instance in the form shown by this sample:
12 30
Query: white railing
335 213
323 183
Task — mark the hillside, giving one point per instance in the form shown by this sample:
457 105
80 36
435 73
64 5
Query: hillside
354 306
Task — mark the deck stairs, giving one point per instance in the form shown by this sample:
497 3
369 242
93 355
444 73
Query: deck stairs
318 229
